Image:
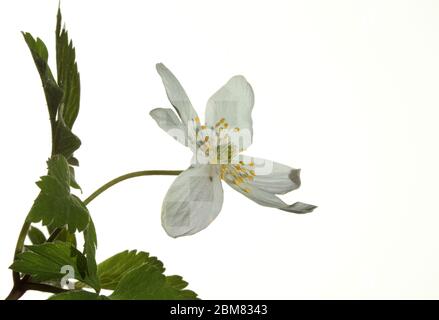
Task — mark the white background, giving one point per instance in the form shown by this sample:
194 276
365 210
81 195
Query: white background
345 90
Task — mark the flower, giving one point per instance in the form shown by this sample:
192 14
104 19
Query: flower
196 196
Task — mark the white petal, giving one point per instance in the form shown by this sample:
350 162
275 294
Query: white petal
193 201
233 102
268 199
270 176
169 122
176 94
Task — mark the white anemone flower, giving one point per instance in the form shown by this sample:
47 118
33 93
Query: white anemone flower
196 196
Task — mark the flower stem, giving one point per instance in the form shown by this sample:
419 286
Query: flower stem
22 285
129 176
111 183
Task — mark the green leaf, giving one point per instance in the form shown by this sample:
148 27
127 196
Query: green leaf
77 295
65 141
64 235
55 206
36 236
176 282
68 75
90 245
52 91
135 275
73 182
63 95
148 283
45 262
73 161
111 271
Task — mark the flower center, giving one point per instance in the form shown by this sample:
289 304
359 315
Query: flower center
237 174
220 144
217 144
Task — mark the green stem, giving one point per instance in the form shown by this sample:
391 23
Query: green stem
111 183
19 247
22 285
22 237
129 176
54 235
